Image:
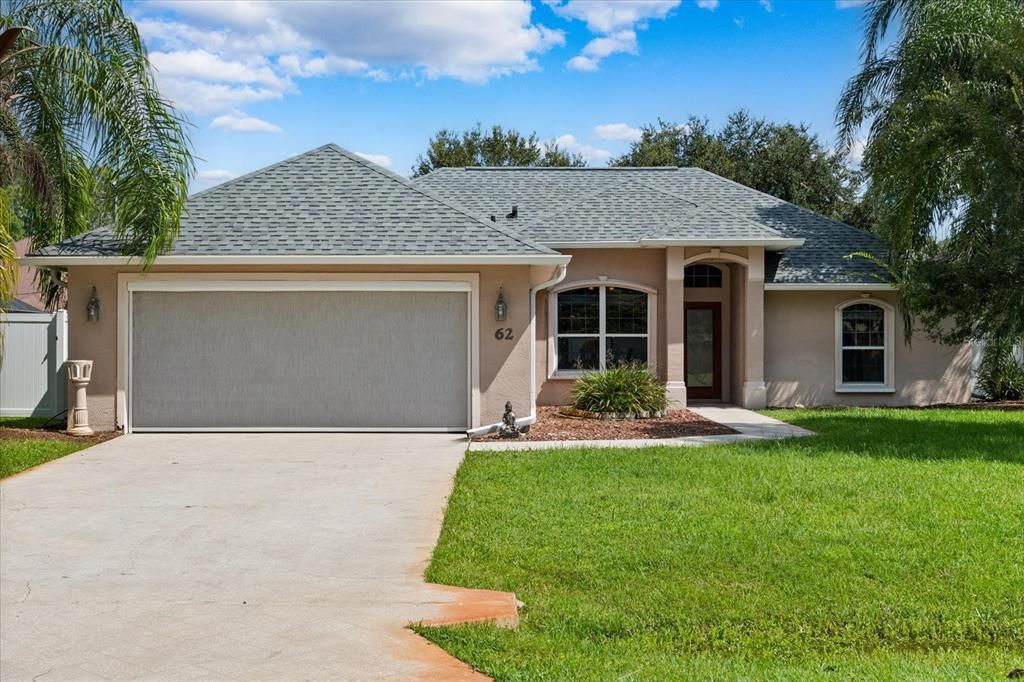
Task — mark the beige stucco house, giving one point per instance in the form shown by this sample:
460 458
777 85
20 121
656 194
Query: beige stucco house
327 293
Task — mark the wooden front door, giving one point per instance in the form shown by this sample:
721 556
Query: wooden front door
703 350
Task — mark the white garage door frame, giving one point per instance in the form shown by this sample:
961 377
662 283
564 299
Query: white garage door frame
128 283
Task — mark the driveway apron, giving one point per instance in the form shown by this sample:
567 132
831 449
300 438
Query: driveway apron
238 556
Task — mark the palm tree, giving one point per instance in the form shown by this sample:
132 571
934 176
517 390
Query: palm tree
941 90
77 94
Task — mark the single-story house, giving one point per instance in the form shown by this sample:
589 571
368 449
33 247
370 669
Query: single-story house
325 292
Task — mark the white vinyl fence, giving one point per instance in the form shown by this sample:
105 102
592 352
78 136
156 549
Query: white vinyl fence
33 376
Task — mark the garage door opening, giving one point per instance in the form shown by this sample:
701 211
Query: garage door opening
368 356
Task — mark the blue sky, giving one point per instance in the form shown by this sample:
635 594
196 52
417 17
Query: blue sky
263 81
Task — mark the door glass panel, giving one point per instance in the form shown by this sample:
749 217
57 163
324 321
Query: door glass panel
700 348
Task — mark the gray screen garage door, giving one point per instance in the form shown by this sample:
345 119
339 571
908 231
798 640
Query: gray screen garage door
299 359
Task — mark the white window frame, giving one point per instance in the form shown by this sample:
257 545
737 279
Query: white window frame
602 283
888 320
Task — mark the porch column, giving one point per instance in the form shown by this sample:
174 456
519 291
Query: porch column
754 392
675 375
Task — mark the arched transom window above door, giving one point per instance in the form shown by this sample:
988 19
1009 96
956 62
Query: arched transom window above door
600 323
702 276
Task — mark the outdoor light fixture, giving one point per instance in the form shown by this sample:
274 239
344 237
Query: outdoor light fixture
93 309
500 307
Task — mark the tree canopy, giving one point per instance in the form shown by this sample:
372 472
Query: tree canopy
941 92
85 138
496 147
781 159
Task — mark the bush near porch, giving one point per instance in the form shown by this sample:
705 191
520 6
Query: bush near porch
887 547
627 388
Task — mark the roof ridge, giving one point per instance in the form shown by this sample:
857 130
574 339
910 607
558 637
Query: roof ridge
789 203
713 209
562 168
430 195
259 171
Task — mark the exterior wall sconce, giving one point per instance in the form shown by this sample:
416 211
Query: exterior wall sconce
92 310
500 307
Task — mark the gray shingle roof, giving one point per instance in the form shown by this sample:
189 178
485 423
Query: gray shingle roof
558 205
327 201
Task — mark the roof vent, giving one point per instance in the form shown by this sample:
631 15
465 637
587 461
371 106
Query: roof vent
514 213
493 219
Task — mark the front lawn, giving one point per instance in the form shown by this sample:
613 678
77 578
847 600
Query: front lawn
888 547
24 444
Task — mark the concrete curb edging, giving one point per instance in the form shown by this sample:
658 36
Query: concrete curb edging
468 606
749 426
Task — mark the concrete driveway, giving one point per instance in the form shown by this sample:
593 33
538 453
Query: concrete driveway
238 556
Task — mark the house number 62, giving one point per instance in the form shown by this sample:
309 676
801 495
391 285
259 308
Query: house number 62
503 334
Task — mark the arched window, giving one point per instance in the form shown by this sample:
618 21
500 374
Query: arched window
864 333
601 323
702 276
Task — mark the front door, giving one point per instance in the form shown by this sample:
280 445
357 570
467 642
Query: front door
704 351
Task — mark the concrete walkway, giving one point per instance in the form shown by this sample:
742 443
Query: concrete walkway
749 425
231 556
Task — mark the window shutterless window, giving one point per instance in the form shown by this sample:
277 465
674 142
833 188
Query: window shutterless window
864 347
702 276
601 323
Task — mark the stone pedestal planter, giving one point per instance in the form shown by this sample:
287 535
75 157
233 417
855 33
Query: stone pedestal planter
79 374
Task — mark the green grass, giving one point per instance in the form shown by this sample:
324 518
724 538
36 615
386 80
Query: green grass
16 455
23 422
890 546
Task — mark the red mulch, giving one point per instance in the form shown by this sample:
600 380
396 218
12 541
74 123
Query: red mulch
551 425
7 433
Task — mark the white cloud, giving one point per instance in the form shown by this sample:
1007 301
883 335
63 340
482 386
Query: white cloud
618 131
469 41
208 178
206 66
767 4
738 21
242 123
855 153
213 98
608 16
615 22
620 41
569 143
379 159
581 63
295 65
850 4
708 4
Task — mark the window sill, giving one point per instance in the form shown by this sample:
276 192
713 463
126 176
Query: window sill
565 375
865 388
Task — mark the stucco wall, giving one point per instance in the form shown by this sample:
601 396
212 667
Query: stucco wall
504 364
800 356
640 266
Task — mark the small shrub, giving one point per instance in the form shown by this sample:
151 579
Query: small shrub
626 388
1001 375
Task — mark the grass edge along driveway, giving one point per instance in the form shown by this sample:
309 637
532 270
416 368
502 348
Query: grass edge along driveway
887 547
20 454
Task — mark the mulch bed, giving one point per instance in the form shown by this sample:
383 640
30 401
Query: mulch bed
7 433
551 425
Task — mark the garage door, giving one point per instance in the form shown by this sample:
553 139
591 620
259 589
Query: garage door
335 359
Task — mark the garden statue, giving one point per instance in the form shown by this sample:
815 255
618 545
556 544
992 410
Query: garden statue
508 428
